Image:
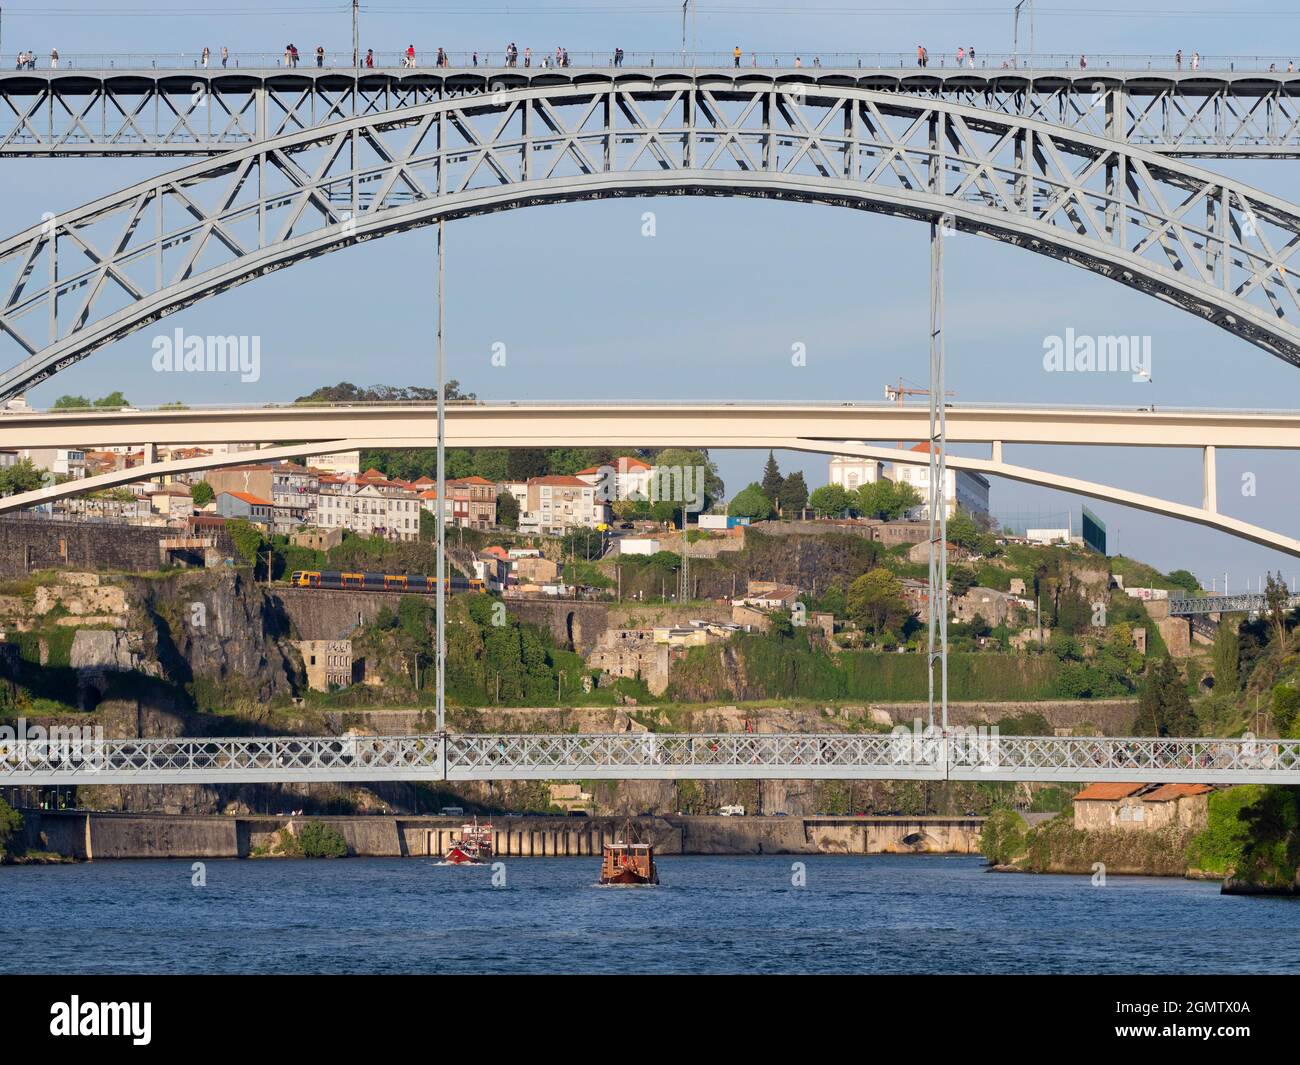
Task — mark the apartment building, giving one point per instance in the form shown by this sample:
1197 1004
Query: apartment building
558 503
370 505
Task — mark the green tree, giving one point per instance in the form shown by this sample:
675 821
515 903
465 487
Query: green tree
202 494
751 503
22 476
582 544
771 484
961 579
316 840
1185 580
525 462
347 392
1286 709
11 823
1164 708
830 500
248 540
1226 655
507 510
886 499
876 603
833 601
1276 594
70 403
1002 838
963 530
113 399
692 458
415 618
794 494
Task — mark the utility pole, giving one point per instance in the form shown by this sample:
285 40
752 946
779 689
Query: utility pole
684 576
937 646
1015 31
440 698
356 47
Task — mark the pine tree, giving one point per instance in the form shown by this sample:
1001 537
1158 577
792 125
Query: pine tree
772 480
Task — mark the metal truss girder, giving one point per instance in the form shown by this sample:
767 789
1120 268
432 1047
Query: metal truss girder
1214 247
208 112
955 755
1189 606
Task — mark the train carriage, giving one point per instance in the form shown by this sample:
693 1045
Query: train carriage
382 582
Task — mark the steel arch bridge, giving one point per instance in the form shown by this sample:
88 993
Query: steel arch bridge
159 112
1214 247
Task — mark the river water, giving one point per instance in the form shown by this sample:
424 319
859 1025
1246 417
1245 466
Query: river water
906 914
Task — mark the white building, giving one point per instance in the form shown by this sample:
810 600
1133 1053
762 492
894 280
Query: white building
60 461
369 505
851 473
969 491
626 477
344 462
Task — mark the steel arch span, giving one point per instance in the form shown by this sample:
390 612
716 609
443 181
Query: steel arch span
1217 248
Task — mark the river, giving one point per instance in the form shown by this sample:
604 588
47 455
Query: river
908 914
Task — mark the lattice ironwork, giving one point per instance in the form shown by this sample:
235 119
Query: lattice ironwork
1196 605
208 112
961 754
1214 247
238 760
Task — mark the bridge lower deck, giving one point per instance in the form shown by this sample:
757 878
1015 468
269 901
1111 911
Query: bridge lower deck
958 755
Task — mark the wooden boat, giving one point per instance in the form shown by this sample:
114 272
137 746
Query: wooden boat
474 846
628 862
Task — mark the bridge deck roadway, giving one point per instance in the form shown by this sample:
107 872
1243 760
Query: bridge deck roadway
739 425
960 755
190 111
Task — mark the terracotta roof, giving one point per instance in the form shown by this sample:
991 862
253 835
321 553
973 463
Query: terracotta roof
471 480
495 552
1108 791
251 500
1170 792
560 480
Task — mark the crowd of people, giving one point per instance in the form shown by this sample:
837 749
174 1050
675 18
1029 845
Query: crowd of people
965 57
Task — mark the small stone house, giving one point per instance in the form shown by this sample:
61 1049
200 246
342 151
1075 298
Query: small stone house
1143 807
989 603
328 663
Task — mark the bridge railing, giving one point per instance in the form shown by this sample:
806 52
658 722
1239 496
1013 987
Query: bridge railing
495 58
927 754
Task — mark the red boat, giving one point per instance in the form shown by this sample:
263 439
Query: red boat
474 846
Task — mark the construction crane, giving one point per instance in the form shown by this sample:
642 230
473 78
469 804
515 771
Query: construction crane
898 394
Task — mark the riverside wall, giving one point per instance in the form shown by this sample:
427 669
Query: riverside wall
93 836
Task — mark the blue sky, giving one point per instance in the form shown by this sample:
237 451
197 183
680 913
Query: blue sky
588 308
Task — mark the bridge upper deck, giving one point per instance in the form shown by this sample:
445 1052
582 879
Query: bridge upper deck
173 106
